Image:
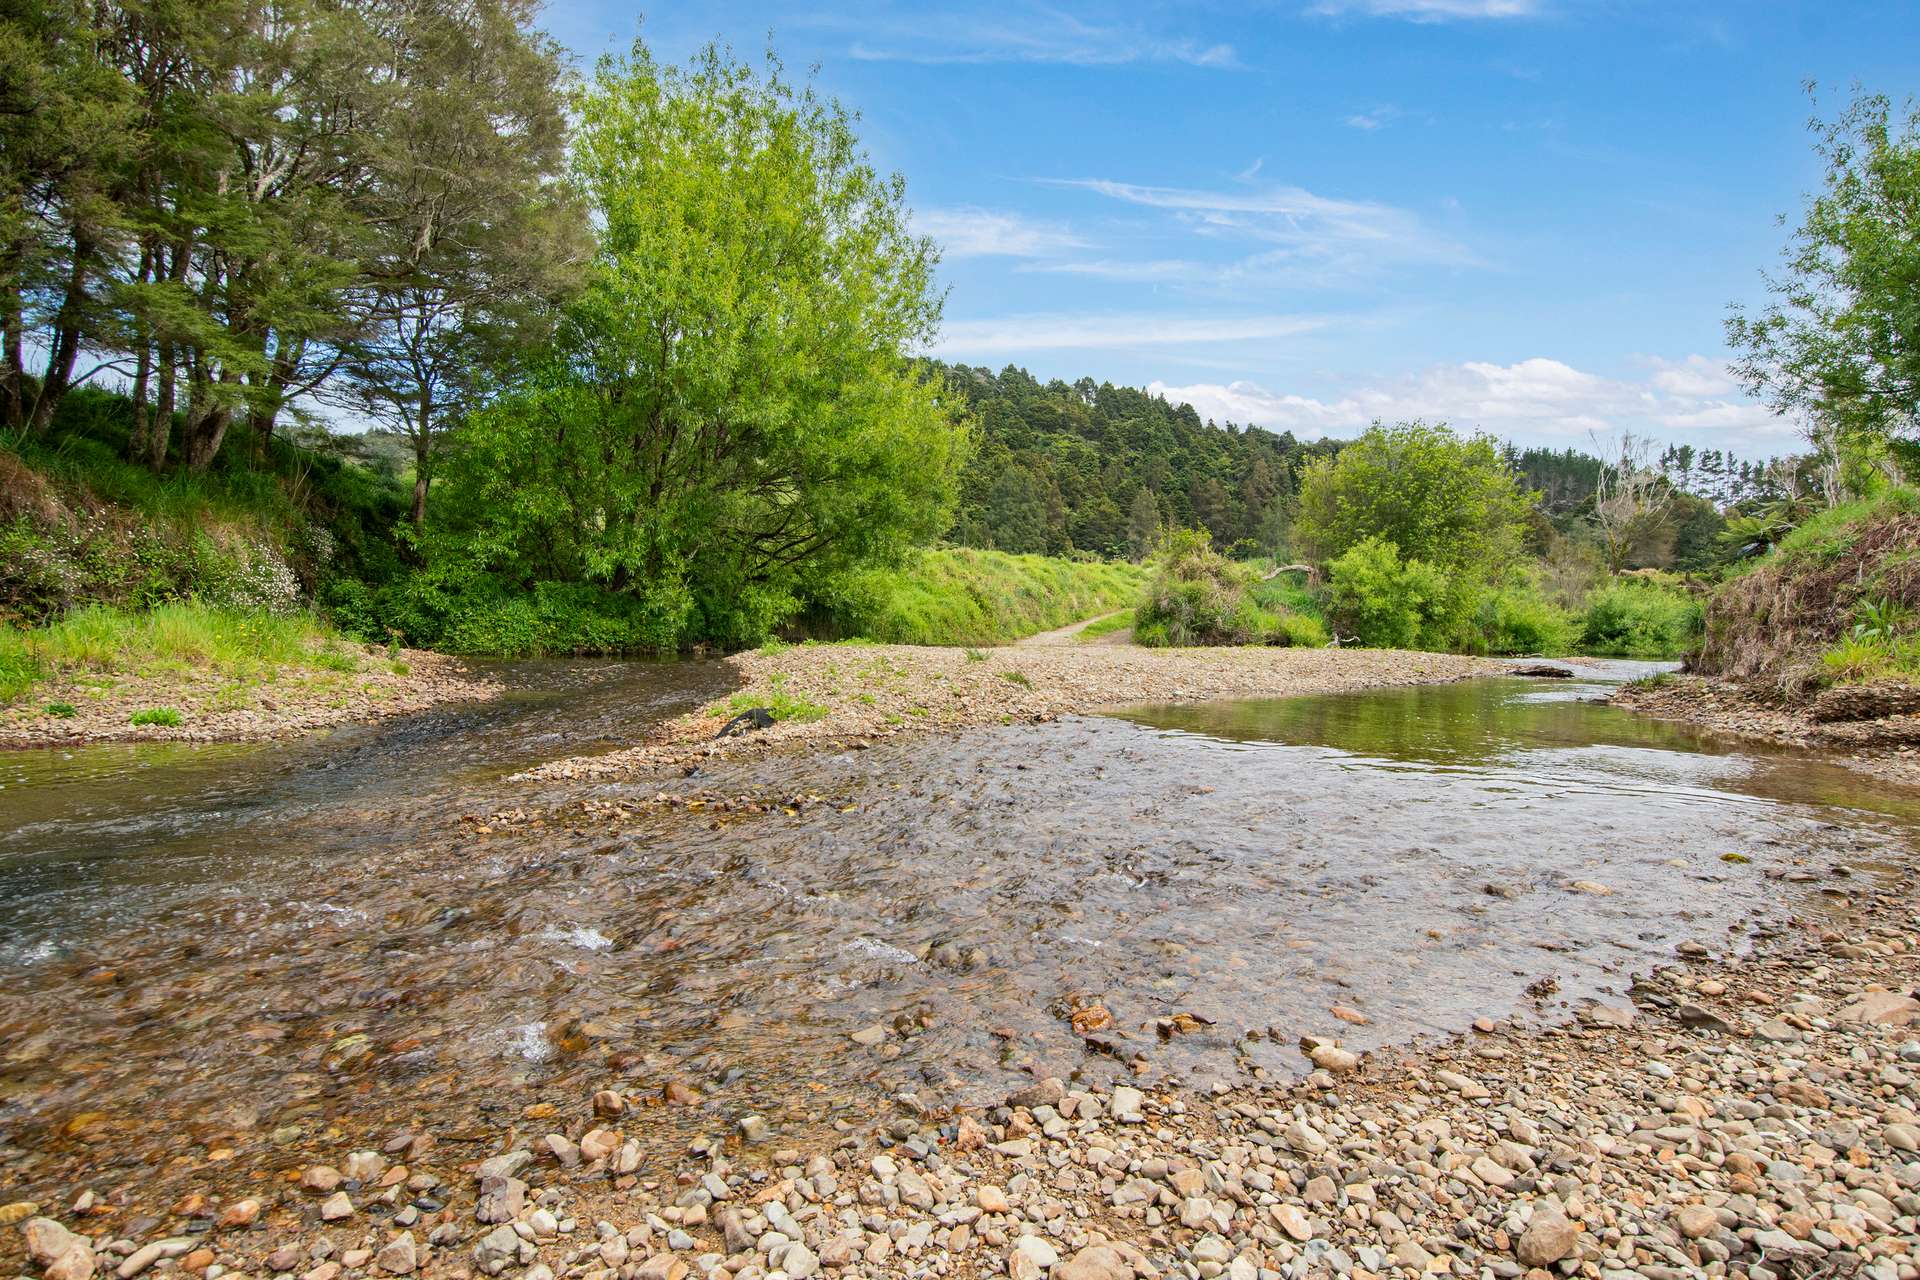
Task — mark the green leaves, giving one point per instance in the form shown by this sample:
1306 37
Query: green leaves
731 416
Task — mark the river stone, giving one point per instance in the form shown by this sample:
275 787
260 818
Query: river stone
1901 1137
1461 1084
501 1199
1294 1221
336 1207
503 1166
47 1240
1882 1009
1038 1251
76 1263
1126 1104
1548 1238
400 1257
1096 1262
799 1262
1696 1221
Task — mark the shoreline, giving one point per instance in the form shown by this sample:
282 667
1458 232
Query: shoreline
867 693
1754 1116
286 702
1887 747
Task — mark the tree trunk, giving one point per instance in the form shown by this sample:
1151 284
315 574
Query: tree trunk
422 454
13 374
205 432
137 447
162 428
66 343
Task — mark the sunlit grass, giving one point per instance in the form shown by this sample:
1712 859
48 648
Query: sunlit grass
182 637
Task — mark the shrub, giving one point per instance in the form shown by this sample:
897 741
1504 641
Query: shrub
165 716
1385 602
1640 620
1518 620
1299 630
61 710
1198 596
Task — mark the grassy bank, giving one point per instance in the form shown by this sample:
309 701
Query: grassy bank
98 644
963 596
1837 601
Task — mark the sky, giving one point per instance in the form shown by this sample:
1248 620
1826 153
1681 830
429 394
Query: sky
1527 217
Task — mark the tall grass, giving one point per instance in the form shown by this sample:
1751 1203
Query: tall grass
170 637
963 596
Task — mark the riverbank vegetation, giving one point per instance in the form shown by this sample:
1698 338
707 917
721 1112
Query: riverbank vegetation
639 375
964 596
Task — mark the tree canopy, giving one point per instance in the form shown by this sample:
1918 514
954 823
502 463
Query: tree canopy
1840 341
729 417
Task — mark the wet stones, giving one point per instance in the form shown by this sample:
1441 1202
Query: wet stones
336 1207
400 1256
501 1199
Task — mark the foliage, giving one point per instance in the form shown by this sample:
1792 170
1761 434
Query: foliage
1637 619
730 420
1840 341
963 596
1199 597
777 702
1380 600
232 644
214 196
1083 467
61 710
168 717
1518 619
1439 500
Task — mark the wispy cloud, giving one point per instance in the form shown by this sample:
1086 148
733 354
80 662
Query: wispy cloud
1352 236
1038 35
971 232
1058 331
1428 10
1378 118
1539 399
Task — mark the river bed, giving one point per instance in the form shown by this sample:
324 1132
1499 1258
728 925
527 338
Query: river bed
238 950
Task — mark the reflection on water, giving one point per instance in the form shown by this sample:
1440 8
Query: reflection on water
226 941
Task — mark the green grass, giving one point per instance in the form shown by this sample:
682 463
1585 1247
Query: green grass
61 710
168 717
780 704
964 596
177 637
1017 677
1106 626
1830 534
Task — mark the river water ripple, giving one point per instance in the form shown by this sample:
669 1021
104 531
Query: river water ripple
241 946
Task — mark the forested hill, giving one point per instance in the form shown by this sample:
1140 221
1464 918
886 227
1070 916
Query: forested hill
1078 466
1089 467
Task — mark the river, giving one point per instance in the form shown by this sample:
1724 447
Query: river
238 950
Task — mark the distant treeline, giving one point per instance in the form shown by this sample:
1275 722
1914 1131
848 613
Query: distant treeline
1089 467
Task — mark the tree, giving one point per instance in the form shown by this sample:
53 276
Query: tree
730 416
474 242
1632 508
1840 342
1437 498
1143 524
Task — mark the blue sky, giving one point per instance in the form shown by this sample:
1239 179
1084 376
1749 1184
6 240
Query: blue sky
1526 216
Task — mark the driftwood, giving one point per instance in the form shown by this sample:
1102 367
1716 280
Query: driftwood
1279 569
1546 670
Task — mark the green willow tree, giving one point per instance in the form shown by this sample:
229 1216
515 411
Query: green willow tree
731 419
1840 342
1438 498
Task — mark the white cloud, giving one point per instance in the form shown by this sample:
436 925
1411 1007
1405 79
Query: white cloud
1054 331
1694 376
1037 35
1428 10
970 232
1378 118
1539 400
1347 236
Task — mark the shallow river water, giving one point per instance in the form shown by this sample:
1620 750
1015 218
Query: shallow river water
246 947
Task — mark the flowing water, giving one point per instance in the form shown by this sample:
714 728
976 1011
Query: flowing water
211 950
